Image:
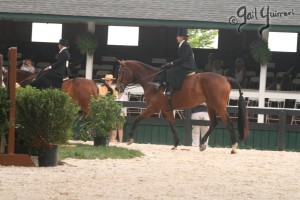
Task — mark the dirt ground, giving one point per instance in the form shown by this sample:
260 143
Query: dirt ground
185 173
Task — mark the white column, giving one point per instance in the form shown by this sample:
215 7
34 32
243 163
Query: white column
90 57
261 91
262 82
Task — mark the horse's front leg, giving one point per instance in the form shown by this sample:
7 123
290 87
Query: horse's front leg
146 113
170 117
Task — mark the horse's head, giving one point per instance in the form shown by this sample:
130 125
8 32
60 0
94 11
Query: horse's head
132 71
23 78
125 76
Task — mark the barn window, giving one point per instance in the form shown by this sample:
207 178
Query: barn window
123 35
203 38
46 32
283 41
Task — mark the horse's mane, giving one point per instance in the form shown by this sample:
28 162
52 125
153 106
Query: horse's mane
144 65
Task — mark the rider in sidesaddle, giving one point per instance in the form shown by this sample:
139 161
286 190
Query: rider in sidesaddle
174 73
52 76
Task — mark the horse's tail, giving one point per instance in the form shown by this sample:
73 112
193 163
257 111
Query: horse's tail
242 111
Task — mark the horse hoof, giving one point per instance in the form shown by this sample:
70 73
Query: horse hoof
202 147
234 148
174 148
130 141
233 151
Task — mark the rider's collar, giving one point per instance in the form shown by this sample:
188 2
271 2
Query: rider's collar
181 43
62 49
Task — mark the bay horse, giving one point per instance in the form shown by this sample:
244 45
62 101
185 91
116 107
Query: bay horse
79 89
212 88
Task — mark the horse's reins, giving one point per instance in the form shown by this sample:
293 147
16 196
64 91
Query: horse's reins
134 82
27 79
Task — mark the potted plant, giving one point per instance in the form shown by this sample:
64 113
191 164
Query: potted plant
4 113
260 52
105 115
44 119
86 43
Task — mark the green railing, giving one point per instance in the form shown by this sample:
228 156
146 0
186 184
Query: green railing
273 136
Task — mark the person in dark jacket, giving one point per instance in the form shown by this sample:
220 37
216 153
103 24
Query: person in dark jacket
175 72
52 76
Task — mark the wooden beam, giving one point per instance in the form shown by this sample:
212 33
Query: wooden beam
11 158
16 160
12 95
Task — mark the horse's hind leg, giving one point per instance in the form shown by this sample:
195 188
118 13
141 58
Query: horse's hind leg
229 125
170 117
213 123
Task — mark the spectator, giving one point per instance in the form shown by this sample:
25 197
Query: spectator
218 66
119 131
3 72
107 87
27 66
240 72
209 65
199 113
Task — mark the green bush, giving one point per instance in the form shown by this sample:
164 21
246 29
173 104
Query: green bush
44 117
260 52
4 111
86 43
105 115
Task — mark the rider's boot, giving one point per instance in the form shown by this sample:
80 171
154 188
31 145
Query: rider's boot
169 92
156 84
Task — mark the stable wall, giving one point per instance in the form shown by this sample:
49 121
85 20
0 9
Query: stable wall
154 42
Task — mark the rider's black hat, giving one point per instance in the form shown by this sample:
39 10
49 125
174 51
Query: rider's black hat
64 42
182 32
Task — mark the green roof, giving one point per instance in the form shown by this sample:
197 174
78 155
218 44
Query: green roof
190 13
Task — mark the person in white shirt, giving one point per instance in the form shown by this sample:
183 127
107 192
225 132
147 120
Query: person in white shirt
199 113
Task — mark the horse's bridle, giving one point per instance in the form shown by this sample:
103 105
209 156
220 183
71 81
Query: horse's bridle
135 81
122 86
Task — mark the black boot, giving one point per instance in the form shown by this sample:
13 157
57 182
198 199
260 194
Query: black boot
169 92
156 84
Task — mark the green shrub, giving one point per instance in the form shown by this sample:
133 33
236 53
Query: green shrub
86 43
44 117
4 111
105 115
260 52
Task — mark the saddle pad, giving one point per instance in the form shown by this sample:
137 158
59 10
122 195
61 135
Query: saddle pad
191 73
